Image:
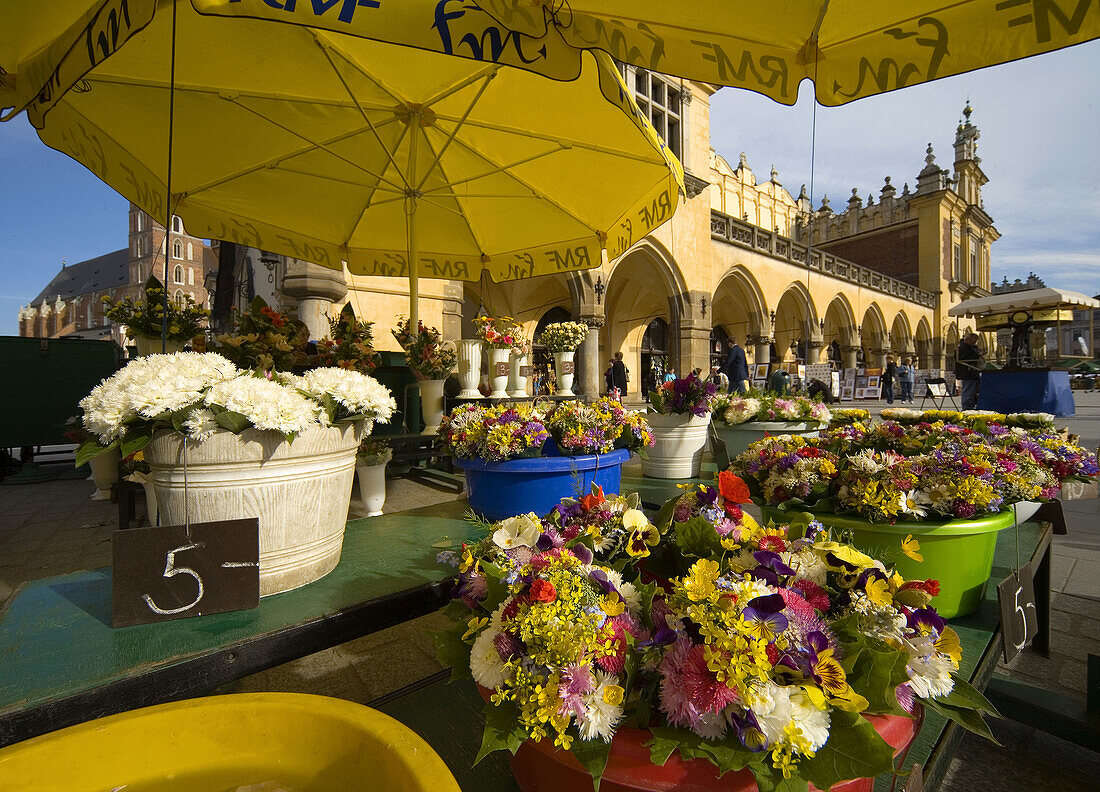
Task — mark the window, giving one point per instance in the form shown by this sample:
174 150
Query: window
190 252
973 260
140 221
177 298
176 225
177 249
660 102
957 264
177 274
190 276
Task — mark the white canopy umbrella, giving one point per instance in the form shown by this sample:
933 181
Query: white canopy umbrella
1030 300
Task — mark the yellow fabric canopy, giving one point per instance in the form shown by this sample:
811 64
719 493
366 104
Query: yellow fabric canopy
849 48
330 148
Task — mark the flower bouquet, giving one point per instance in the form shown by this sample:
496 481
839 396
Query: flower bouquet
778 652
502 332
218 442
144 318
350 344
737 410
848 415
597 428
427 355
494 433
563 336
264 340
680 420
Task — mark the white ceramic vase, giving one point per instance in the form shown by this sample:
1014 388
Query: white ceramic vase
104 473
740 436
431 404
300 492
678 448
469 367
498 373
563 372
517 381
372 487
152 346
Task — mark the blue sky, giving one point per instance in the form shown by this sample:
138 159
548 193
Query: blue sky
1038 120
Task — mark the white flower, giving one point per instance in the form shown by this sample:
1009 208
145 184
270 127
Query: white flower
807 565
929 671
741 410
602 709
520 531
486 667
357 393
200 424
710 725
776 707
629 594
265 404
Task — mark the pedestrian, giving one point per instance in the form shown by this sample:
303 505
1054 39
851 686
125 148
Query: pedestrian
907 375
719 378
968 370
609 378
670 376
736 367
619 376
888 375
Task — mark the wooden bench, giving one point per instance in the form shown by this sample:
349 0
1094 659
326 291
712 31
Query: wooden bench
61 662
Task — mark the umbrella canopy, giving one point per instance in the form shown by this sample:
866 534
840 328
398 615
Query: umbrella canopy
1030 300
334 148
849 48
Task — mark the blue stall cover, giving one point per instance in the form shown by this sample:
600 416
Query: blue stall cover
1026 391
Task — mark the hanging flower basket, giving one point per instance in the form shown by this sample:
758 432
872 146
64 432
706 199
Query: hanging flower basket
497 490
957 553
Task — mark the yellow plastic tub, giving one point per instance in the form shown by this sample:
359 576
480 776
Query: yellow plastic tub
268 741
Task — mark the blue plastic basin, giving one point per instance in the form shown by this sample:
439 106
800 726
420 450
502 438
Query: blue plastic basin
497 490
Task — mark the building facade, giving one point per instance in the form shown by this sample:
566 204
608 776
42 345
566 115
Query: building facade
71 304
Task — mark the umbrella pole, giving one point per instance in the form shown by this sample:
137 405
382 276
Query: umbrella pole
168 185
410 222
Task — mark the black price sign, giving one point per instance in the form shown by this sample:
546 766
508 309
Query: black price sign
1019 619
500 370
166 573
567 367
526 371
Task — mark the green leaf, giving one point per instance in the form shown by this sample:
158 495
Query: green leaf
135 440
233 421
502 729
879 672
593 755
90 449
646 593
698 537
452 651
967 718
768 779
728 753
664 741
967 696
854 750
664 516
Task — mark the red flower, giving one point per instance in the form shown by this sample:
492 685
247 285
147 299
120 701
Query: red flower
542 591
733 489
590 501
931 587
773 543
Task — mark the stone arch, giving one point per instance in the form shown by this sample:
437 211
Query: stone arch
923 344
795 323
901 335
738 305
951 345
840 321
644 284
873 335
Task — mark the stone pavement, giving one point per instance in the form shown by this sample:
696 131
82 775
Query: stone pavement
53 528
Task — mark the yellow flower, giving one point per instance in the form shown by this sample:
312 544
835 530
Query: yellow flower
613 695
473 626
699 584
910 547
612 604
845 553
878 590
948 644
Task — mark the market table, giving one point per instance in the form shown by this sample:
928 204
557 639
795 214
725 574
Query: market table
449 716
1026 391
61 662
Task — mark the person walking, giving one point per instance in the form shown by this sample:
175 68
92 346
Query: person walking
907 376
618 374
736 367
719 378
609 380
968 370
888 375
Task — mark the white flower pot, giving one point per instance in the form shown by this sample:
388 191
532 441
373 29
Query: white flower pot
152 346
300 492
372 487
469 367
517 382
498 373
564 373
1025 510
739 437
431 404
150 501
104 473
678 448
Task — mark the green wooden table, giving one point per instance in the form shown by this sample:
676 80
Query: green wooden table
655 491
62 663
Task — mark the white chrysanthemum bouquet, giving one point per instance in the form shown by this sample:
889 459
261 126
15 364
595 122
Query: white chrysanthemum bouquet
200 394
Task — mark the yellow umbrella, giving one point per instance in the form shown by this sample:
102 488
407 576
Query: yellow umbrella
849 48
334 148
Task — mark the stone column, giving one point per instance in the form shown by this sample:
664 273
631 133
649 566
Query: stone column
762 349
315 288
849 356
879 357
815 350
452 310
592 371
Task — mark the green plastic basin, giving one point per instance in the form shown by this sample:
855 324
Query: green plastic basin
957 553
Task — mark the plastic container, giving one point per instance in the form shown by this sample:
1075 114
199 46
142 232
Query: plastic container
738 438
957 553
497 490
301 742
